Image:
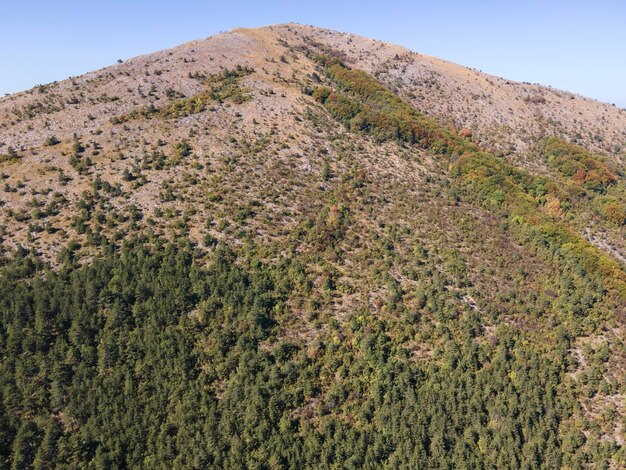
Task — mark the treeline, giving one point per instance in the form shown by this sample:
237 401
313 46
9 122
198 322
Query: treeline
364 104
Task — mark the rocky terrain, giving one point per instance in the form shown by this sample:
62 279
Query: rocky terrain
504 116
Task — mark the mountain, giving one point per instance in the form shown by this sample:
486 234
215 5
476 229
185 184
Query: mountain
293 247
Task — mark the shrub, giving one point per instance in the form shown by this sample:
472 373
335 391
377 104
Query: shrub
51 140
11 155
615 212
578 164
181 149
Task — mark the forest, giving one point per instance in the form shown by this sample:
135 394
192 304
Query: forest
165 358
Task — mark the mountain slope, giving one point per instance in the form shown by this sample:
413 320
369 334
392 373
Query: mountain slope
87 104
334 251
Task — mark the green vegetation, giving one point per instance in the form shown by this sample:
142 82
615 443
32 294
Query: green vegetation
499 186
181 149
590 185
614 210
363 104
10 156
78 161
578 164
147 360
220 87
51 140
370 107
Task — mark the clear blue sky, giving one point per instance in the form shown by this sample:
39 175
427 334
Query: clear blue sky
573 45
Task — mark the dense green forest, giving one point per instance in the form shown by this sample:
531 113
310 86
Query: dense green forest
164 357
